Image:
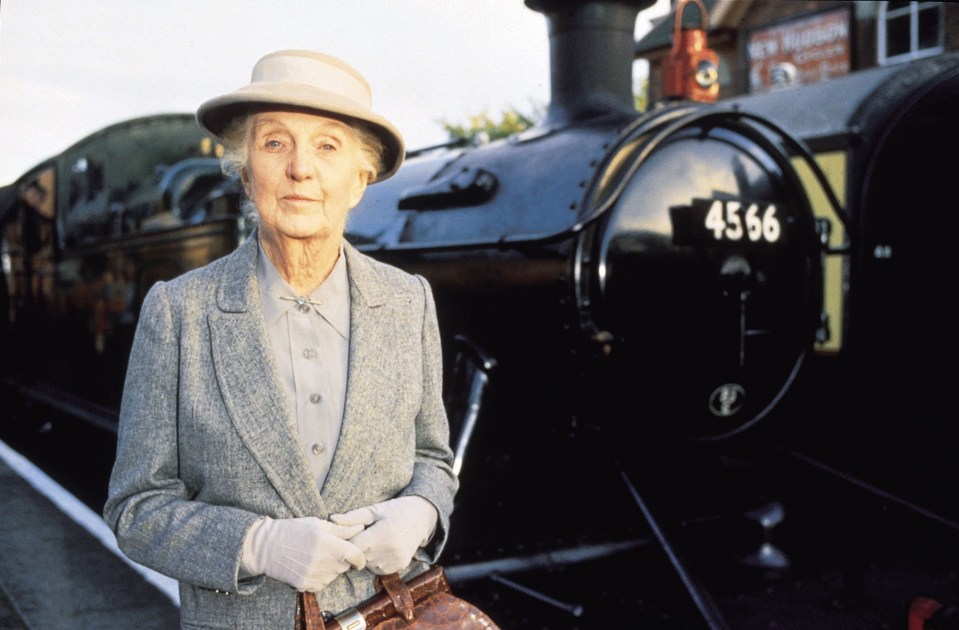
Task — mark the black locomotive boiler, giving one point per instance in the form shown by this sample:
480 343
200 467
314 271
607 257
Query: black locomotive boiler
666 265
606 281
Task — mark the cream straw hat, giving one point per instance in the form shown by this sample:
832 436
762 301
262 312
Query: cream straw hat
302 78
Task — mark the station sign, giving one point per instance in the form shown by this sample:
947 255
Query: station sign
802 50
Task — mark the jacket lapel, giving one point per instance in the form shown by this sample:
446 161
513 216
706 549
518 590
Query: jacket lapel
247 379
350 466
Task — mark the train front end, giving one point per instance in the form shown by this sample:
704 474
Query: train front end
698 273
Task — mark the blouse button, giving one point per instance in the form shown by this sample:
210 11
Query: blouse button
315 398
309 353
317 448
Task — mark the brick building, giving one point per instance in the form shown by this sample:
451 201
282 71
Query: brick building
772 44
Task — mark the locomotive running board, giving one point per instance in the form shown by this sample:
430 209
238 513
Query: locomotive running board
558 557
495 569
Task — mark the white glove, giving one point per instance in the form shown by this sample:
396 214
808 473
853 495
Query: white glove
306 553
396 529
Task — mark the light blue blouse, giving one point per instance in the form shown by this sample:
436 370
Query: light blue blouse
310 336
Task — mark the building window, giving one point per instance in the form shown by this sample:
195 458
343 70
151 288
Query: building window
909 30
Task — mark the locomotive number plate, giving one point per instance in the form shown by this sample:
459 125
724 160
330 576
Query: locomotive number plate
718 221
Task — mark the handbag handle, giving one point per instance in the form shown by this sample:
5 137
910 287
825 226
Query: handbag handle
308 614
399 593
394 598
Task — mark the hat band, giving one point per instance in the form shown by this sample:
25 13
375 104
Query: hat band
289 69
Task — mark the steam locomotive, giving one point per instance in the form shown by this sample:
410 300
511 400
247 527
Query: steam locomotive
622 295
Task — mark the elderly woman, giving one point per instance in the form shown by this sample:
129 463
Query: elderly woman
282 426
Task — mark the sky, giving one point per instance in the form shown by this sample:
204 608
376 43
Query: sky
68 69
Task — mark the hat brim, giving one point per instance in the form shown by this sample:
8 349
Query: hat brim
214 115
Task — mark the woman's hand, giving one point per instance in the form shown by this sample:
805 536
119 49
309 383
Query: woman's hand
395 530
306 553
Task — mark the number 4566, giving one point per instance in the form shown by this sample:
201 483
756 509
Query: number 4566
731 221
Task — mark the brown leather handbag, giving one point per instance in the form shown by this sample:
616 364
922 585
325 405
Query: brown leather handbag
425 602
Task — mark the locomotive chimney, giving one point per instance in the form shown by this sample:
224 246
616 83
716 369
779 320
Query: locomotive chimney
591 56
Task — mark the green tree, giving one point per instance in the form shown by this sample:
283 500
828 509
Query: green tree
641 96
486 128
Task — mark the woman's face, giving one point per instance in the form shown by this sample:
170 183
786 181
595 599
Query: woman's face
304 172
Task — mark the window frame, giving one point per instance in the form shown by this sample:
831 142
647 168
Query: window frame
913 9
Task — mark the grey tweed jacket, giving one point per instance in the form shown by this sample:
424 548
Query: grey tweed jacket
207 444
